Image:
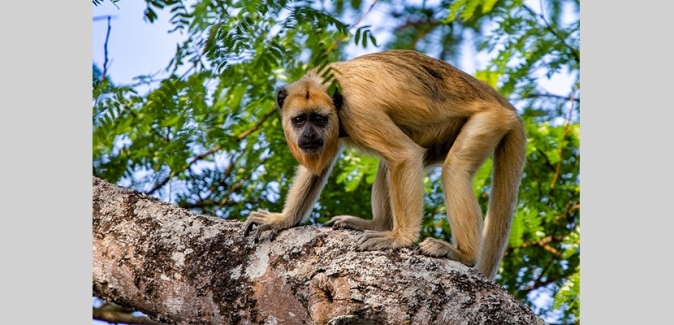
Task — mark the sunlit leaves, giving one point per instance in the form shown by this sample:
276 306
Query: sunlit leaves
366 34
568 296
466 9
357 168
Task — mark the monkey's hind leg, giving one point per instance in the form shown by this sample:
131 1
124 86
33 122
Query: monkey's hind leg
382 217
477 140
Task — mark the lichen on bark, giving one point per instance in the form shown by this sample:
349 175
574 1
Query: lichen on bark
184 268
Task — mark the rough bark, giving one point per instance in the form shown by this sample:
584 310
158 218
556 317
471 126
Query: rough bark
183 268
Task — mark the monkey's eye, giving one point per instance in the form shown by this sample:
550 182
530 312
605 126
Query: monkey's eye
298 120
319 120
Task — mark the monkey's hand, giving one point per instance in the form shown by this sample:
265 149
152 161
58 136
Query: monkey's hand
265 220
379 240
350 222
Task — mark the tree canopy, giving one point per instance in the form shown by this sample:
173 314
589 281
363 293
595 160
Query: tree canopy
207 135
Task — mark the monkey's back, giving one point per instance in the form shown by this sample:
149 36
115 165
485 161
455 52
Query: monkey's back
397 79
428 99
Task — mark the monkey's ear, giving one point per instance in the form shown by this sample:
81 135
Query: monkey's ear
337 99
281 97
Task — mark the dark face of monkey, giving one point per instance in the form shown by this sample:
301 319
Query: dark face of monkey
312 130
310 122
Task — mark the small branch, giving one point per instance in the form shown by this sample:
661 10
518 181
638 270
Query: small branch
569 208
174 173
551 96
552 250
240 137
257 125
574 52
105 51
538 183
544 241
561 143
538 284
234 187
548 163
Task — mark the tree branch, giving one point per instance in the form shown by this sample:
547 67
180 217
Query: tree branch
179 267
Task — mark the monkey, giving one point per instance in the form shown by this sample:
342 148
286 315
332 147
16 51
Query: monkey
415 112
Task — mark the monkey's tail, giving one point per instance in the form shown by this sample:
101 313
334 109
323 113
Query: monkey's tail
509 159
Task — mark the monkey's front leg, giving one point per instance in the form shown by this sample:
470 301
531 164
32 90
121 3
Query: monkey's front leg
303 194
405 180
382 217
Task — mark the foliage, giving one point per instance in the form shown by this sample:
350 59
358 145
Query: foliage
207 135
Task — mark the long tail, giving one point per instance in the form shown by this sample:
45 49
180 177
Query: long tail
509 159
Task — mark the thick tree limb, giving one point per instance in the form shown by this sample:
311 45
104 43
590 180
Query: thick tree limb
182 268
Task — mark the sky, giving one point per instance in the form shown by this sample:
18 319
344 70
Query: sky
137 47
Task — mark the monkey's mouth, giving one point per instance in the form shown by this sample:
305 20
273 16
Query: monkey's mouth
311 146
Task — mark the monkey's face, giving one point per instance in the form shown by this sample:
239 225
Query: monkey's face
310 123
311 130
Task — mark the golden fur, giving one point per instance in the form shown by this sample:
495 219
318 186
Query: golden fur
414 112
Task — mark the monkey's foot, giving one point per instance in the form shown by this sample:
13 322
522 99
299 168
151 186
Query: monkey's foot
440 248
380 240
351 222
265 220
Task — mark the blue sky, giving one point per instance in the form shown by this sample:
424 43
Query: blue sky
137 47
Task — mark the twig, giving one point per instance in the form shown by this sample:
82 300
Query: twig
105 51
237 186
538 183
547 160
575 54
256 126
542 242
552 96
174 173
550 279
569 208
561 143
240 137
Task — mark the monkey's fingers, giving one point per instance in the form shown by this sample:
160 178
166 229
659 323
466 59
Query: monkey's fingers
247 227
273 232
330 223
375 240
261 228
258 232
341 222
254 219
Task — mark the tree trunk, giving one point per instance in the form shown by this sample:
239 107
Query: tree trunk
183 268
